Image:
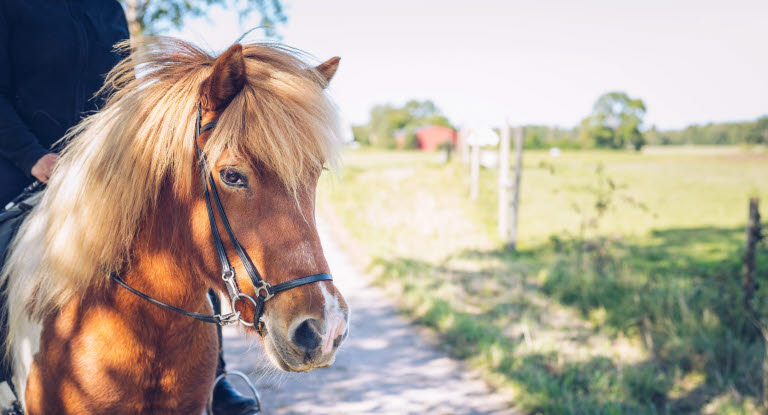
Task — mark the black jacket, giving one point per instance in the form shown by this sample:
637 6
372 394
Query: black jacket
54 55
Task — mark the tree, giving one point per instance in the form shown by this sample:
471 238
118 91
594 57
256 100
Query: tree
758 133
652 136
362 134
615 122
150 17
411 138
729 133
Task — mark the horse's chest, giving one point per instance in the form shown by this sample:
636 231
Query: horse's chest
103 362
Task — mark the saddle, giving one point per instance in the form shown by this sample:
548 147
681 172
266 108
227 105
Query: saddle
13 214
11 218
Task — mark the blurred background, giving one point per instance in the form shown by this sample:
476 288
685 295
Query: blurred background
567 193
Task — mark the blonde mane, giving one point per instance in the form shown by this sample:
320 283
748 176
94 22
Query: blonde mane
119 160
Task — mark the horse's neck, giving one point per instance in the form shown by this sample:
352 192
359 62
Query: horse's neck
164 276
123 342
165 263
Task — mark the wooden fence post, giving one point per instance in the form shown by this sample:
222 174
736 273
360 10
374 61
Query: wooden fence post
504 183
475 172
754 235
512 245
464 145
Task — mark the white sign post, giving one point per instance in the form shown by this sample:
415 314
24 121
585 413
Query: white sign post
483 137
477 138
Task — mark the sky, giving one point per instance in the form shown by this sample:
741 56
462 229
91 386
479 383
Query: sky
530 62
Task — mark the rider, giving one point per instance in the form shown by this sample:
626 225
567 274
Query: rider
54 55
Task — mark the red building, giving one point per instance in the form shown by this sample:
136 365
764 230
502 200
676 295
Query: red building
431 137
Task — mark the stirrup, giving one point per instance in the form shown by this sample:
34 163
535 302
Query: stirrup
209 407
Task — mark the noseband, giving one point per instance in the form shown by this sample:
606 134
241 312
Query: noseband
264 290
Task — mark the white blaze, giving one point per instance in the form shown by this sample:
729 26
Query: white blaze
335 323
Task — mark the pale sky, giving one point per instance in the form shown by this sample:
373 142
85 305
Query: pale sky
532 62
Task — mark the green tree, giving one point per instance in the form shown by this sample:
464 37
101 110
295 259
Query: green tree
615 122
543 136
652 136
150 17
362 134
411 139
758 133
729 133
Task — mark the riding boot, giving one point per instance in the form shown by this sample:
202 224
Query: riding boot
226 399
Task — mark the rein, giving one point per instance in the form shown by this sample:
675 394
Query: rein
264 290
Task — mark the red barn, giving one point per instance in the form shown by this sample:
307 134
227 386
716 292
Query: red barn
431 137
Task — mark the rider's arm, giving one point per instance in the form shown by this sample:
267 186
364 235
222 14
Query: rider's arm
17 143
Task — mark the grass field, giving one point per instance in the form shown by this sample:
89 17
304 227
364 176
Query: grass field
624 295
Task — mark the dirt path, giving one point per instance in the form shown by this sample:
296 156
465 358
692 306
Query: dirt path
386 366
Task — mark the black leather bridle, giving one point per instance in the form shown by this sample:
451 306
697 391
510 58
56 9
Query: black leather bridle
264 290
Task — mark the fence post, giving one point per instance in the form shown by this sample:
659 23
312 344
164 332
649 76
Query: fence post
504 183
512 245
464 145
475 172
754 235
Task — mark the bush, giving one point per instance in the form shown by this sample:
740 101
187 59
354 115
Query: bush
411 139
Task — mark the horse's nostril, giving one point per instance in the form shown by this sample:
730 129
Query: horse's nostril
307 335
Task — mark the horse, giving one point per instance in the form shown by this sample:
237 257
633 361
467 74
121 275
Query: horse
199 172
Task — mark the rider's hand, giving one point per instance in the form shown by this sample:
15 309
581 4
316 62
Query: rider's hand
44 167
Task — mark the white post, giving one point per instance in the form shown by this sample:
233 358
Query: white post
475 172
504 183
464 145
516 196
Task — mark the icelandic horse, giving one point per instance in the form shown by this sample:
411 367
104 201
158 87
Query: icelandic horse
198 173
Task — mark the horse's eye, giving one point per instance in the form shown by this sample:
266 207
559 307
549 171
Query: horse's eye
232 178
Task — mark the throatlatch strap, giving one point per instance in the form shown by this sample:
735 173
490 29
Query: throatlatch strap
206 318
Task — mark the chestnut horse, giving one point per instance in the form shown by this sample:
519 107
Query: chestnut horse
129 199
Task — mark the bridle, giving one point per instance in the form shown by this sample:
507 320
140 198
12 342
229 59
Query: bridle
264 290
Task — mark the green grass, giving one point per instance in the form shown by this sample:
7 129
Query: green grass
634 308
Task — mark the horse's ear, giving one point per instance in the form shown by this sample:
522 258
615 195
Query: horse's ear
327 69
227 79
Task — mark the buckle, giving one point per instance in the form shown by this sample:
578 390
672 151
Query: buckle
264 286
227 319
